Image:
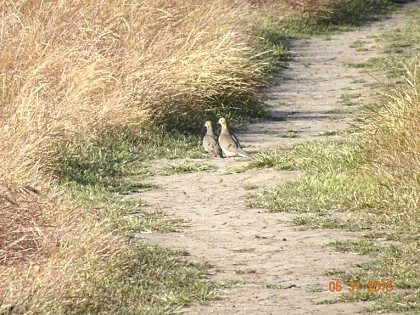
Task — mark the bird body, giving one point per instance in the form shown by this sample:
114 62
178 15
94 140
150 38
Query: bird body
229 143
210 143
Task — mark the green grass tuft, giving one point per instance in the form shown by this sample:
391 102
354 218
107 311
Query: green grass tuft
274 286
350 99
329 133
245 271
363 247
288 134
185 167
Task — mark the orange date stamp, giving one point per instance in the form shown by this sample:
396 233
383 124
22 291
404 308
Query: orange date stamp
354 286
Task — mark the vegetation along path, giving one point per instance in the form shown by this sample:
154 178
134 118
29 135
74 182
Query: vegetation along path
267 265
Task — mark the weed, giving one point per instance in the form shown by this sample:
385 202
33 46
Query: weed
349 99
232 283
288 134
244 250
358 44
316 157
274 286
363 247
356 81
340 111
316 289
329 133
250 187
185 167
245 271
235 170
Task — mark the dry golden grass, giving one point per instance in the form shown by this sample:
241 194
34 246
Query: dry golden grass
71 70
394 138
396 143
74 70
107 64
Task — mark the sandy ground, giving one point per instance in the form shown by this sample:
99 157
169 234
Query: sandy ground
279 269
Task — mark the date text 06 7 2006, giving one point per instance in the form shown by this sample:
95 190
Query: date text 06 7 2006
354 286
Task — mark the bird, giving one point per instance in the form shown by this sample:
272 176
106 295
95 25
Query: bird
229 142
210 143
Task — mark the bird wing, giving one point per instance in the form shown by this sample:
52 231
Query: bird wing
218 149
235 139
208 142
239 149
211 145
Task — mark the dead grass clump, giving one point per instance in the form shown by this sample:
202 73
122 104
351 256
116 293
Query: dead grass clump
81 67
296 9
394 141
313 9
21 233
59 270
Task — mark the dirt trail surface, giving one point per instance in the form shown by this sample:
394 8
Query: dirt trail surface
273 268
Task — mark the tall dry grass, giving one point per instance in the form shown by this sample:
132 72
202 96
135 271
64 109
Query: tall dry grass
73 70
112 63
394 137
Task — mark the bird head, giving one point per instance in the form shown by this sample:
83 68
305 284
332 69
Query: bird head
208 124
222 121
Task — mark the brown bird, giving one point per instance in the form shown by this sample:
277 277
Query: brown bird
229 143
210 143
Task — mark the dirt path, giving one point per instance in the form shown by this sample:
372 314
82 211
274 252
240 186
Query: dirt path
277 268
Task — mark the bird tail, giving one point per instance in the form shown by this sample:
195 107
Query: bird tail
245 155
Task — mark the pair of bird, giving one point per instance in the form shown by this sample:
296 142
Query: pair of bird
227 145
